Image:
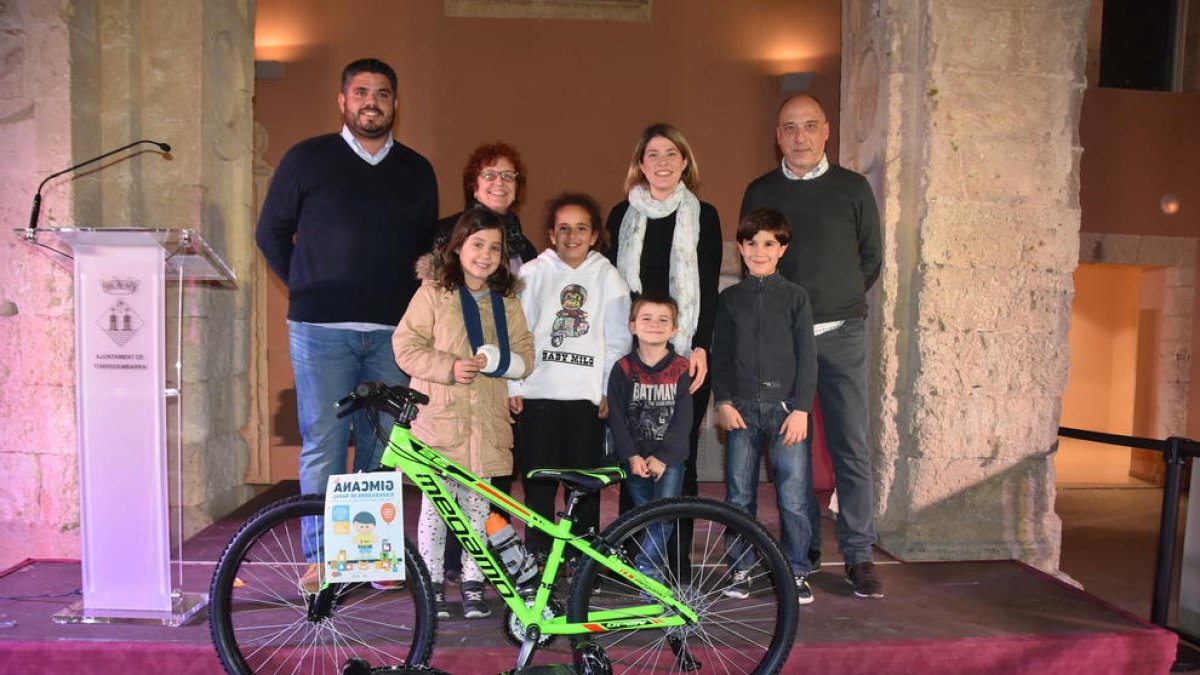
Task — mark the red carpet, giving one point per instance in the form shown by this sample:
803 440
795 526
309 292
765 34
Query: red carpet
952 618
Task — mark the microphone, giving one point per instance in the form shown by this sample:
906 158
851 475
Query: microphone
37 198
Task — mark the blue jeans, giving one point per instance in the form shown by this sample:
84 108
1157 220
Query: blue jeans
791 469
842 389
327 364
653 548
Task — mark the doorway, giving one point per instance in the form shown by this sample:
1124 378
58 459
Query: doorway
1115 338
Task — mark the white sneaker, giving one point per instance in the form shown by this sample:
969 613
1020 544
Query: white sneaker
740 586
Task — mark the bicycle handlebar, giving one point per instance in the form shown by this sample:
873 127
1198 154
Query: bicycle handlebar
395 397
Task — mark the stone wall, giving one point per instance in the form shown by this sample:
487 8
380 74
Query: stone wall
79 79
963 113
39 493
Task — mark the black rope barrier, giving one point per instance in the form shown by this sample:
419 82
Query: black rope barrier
1113 439
1175 451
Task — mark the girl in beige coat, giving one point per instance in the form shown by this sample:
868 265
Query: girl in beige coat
448 343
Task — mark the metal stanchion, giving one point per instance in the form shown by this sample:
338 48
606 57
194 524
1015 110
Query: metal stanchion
1175 451
1168 522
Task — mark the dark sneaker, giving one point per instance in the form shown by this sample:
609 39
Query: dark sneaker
439 601
740 586
862 577
803 591
474 606
814 560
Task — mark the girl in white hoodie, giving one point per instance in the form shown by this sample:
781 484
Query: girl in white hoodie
577 308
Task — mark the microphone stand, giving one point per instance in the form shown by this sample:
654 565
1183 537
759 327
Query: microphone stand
31 231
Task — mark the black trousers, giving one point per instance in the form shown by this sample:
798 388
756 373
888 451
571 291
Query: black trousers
561 435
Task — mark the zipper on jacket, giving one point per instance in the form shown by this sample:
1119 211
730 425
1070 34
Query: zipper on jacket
758 374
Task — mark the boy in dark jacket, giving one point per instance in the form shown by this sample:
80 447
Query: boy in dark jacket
764 371
650 415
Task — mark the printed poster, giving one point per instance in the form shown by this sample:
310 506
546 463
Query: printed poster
364 528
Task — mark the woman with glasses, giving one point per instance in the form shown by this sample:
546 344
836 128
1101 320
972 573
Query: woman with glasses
668 242
493 177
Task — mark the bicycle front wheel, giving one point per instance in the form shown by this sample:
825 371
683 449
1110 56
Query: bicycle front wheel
264 618
741 628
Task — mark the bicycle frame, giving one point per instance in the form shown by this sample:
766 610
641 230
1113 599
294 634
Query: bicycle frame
427 468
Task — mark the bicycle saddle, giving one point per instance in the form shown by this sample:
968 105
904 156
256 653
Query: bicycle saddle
585 480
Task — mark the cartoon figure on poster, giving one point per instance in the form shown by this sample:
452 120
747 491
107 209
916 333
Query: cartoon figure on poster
364 534
571 320
359 547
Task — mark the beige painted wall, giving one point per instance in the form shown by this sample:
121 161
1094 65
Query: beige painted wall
1147 464
1118 324
1138 146
1103 336
1101 391
571 95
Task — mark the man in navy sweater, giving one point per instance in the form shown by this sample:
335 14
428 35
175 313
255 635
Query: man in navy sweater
346 217
835 255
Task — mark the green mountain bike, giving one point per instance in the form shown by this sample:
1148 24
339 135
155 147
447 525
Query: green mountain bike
631 607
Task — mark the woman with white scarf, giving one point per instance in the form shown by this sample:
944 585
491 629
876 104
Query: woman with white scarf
665 240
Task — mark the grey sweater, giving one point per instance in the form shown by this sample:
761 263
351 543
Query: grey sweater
836 251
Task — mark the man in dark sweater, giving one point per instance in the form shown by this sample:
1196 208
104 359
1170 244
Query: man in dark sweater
346 217
835 256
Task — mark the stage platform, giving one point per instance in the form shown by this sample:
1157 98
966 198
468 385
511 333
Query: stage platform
947 617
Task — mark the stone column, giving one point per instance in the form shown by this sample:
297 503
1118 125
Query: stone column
964 115
39 494
192 89
79 79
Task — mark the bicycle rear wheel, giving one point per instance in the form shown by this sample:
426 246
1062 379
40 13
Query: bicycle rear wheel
748 635
262 620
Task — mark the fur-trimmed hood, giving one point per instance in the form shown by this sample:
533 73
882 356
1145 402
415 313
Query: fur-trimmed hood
428 267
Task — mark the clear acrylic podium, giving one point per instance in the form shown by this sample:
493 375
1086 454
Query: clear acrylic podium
130 483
